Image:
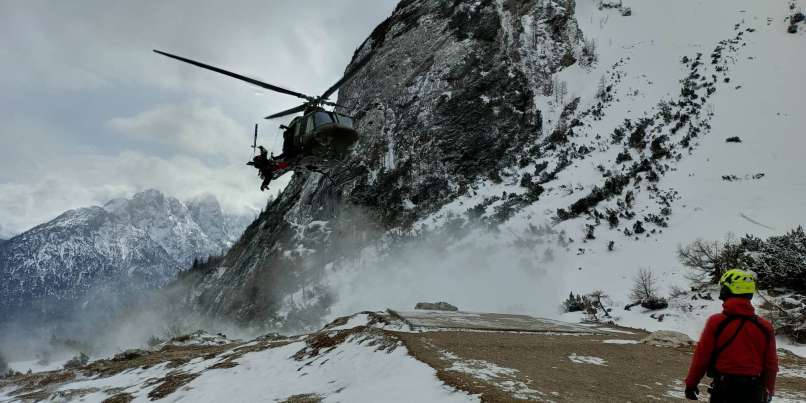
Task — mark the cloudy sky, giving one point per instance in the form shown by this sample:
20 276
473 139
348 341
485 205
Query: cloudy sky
90 113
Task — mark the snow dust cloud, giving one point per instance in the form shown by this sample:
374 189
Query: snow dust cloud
104 322
472 266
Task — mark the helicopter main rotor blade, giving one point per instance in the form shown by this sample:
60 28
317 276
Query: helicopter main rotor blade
288 112
347 76
238 76
328 103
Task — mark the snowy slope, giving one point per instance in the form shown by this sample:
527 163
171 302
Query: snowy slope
523 265
761 104
359 366
763 112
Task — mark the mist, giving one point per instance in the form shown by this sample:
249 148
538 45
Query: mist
104 321
473 266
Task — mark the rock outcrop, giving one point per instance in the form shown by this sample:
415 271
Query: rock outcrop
668 338
446 100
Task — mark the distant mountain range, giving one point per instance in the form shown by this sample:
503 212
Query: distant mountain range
126 245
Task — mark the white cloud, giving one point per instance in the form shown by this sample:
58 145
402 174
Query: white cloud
63 46
95 179
190 127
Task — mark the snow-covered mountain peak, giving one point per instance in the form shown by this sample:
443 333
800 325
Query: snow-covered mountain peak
133 243
207 213
170 222
80 217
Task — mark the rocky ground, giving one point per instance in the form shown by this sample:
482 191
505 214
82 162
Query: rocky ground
394 356
611 366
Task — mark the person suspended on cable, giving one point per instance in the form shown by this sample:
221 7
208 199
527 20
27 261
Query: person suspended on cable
267 167
736 349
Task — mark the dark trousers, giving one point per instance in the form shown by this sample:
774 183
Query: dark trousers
737 389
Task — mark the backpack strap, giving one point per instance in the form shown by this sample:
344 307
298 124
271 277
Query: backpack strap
721 327
719 349
754 320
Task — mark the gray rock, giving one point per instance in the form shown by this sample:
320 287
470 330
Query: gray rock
436 306
130 354
668 338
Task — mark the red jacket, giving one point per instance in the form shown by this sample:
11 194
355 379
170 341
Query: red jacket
749 354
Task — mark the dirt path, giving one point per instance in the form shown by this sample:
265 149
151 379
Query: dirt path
506 366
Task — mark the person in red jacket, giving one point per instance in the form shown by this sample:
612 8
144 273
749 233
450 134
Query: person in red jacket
267 166
736 349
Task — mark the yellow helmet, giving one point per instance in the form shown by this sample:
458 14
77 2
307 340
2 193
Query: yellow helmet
739 282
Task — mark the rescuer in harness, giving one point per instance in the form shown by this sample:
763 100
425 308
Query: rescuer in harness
736 349
266 167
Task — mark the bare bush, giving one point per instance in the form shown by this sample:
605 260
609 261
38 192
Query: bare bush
645 286
645 291
704 257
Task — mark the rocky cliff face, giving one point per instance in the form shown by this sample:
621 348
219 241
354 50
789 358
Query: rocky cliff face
127 245
446 100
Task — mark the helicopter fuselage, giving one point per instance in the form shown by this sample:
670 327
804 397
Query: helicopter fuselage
320 134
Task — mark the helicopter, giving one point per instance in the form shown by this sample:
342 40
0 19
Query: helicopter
317 141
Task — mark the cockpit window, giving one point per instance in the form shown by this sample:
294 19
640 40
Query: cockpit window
345 120
322 118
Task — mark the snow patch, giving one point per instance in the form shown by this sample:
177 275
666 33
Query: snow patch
504 378
617 341
586 359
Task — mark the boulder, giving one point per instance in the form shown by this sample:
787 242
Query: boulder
668 338
130 354
436 306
